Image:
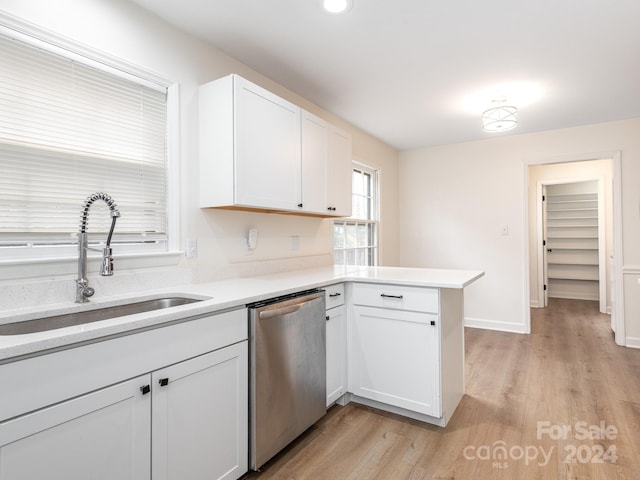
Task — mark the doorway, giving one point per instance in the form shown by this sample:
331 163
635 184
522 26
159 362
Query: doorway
606 171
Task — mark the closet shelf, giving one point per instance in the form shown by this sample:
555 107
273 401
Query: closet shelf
569 263
567 237
572 236
582 225
590 278
584 249
573 209
560 202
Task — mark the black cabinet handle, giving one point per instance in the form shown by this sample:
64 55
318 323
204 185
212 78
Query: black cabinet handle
163 382
334 295
299 205
433 322
391 296
145 389
327 318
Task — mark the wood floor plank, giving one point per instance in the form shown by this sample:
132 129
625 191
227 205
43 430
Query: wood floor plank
521 391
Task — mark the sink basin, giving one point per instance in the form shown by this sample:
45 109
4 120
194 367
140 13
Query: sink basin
80 318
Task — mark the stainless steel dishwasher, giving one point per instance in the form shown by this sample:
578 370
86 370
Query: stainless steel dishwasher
287 386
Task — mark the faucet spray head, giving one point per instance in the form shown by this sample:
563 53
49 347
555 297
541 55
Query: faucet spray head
107 262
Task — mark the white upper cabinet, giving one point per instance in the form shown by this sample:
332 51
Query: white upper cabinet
249 147
259 151
315 156
339 173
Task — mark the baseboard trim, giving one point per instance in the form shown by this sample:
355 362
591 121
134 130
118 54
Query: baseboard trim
575 296
534 304
439 421
494 325
633 342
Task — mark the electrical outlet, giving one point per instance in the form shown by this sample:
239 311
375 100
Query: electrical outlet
504 229
252 238
191 248
295 242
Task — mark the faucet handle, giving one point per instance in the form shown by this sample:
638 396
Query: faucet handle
83 291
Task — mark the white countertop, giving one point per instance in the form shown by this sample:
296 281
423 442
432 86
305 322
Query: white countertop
217 296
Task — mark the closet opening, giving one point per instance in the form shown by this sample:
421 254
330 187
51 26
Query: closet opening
571 232
573 240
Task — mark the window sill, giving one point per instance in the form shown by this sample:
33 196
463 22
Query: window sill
48 267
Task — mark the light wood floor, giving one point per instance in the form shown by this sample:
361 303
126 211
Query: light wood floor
568 370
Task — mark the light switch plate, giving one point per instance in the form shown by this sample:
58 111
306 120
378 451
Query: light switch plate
252 238
191 248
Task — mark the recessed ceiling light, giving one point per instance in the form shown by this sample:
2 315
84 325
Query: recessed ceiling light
337 6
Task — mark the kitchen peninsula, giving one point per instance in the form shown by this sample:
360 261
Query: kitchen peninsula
398 345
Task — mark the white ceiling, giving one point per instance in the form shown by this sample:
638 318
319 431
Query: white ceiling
418 73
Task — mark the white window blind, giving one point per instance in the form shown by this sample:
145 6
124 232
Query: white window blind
67 130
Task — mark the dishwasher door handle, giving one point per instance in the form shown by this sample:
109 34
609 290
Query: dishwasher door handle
278 312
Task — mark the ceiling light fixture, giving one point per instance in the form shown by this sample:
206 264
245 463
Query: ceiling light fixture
499 118
337 6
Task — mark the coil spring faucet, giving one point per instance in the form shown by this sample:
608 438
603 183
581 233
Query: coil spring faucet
83 290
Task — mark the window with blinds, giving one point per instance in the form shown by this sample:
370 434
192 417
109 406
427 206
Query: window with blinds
69 129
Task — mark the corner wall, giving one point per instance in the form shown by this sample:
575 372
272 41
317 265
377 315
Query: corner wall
121 29
455 199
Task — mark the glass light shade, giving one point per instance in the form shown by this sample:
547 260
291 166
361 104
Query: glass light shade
337 6
499 119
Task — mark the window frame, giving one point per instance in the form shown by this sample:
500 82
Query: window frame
372 223
52 259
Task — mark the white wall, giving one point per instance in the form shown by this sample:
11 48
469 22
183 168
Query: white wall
454 199
129 33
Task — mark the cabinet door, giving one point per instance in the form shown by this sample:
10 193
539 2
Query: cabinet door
339 173
336 354
315 154
200 417
395 358
267 149
103 435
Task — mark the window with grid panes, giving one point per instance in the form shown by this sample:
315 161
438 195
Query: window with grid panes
355 238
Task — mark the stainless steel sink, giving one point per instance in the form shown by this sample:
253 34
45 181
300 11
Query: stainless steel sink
80 318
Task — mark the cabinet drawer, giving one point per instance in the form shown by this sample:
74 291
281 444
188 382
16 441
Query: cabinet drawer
398 297
334 295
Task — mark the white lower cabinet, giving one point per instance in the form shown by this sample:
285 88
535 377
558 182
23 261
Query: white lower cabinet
200 417
102 435
336 342
181 415
395 358
336 354
406 349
